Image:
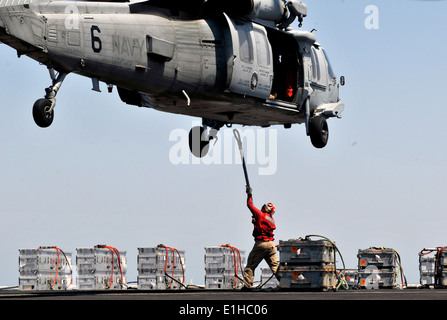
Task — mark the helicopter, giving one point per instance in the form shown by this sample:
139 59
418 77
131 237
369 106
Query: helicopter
227 62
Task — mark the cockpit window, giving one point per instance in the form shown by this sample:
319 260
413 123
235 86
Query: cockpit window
263 49
245 44
315 64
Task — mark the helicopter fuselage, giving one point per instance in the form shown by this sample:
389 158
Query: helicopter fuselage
224 69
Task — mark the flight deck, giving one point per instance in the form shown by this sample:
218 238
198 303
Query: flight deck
229 296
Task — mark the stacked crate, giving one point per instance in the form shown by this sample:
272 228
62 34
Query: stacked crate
100 268
161 268
427 266
224 267
45 268
440 266
307 264
377 267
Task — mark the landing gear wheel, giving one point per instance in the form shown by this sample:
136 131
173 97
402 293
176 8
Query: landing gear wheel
42 113
199 143
319 132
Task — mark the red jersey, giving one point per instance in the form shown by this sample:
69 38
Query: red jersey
264 225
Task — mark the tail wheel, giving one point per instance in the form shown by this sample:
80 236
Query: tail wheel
42 113
319 132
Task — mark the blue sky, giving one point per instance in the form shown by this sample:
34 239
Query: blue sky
102 174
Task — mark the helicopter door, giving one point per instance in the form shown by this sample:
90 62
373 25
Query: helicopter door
252 66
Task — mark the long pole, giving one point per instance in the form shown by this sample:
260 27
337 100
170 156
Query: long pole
241 150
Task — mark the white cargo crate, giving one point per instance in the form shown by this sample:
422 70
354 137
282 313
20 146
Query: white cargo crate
28 262
377 279
379 257
427 279
44 268
321 277
159 281
51 282
93 260
300 252
219 257
160 268
101 268
224 272
427 269
152 282
160 258
220 281
100 281
45 282
86 282
224 267
433 267
28 283
33 261
427 263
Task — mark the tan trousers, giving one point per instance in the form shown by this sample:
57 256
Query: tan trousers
261 250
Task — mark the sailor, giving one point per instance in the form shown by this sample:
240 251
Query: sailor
264 247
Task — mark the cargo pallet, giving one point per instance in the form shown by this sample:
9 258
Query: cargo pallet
101 268
161 268
224 267
307 264
379 268
45 268
433 268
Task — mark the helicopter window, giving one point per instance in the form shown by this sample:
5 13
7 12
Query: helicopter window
245 44
315 65
263 49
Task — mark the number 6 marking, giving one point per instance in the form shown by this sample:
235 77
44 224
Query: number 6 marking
96 42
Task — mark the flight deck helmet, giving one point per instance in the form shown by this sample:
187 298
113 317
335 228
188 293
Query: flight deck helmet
268 208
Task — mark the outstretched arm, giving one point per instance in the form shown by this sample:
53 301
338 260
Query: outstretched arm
255 211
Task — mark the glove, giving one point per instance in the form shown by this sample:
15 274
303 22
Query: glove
248 190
